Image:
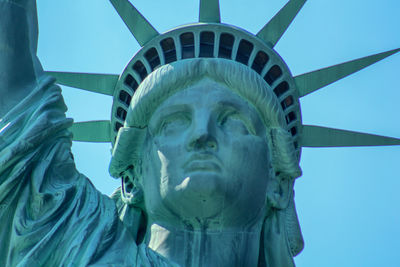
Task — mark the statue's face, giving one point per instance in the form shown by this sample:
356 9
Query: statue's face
206 158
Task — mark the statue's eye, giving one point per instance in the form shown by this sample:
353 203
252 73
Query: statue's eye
173 124
233 121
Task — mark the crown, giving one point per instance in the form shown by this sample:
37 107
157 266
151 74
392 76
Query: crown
209 38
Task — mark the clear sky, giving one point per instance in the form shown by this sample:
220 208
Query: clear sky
347 199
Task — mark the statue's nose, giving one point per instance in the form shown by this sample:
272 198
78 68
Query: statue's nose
201 135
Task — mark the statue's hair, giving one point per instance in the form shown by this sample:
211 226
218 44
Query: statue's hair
169 79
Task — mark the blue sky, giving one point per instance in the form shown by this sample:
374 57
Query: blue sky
347 199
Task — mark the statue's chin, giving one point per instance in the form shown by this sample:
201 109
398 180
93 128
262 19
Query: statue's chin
200 195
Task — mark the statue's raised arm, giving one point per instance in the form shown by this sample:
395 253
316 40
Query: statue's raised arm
50 214
19 67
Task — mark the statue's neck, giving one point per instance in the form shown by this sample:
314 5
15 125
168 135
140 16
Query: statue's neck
204 247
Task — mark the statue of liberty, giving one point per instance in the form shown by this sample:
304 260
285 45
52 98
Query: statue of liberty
206 133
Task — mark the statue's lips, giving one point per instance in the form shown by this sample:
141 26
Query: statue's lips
202 162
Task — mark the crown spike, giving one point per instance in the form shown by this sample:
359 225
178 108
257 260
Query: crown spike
91 131
312 81
141 29
317 136
276 27
209 11
98 83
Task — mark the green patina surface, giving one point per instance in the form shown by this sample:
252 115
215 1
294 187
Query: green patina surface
206 156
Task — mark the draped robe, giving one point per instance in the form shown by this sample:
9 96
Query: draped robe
50 214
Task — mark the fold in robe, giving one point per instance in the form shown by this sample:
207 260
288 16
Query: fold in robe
50 214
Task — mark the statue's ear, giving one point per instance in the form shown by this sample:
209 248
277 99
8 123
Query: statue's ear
132 192
279 191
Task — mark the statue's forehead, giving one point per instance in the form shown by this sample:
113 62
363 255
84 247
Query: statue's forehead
205 91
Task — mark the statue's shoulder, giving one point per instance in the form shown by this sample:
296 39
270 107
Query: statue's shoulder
130 218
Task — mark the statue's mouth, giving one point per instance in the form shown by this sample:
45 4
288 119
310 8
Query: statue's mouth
204 161
202 165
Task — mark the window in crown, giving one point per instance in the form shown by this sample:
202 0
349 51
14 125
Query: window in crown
125 97
287 102
168 47
187 43
282 88
226 41
152 57
117 126
290 117
131 82
244 51
274 73
293 131
260 61
206 44
121 113
140 69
